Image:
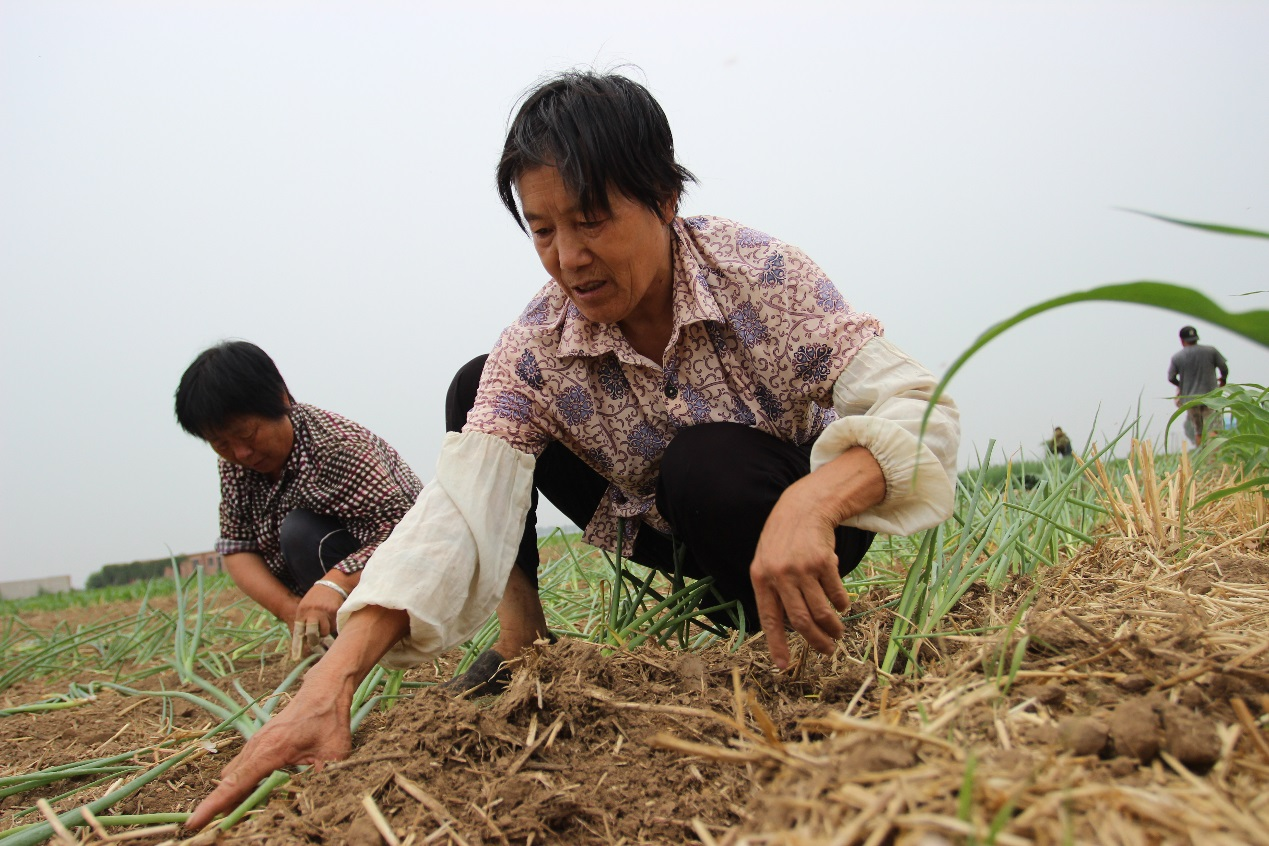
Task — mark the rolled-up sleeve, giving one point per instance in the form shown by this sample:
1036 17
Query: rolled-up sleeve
881 398
447 562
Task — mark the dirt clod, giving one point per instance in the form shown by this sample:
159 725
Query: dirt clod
1191 738
1121 767
1082 735
877 757
362 832
1134 683
1134 727
1192 697
1045 694
1199 584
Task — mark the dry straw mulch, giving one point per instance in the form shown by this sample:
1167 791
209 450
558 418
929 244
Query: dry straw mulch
1119 697
1142 672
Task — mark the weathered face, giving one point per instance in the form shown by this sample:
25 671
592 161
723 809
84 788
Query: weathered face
613 267
255 442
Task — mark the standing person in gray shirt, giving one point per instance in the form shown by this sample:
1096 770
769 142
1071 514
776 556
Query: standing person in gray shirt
1193 371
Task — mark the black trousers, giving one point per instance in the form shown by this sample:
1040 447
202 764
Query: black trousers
718 484
311 545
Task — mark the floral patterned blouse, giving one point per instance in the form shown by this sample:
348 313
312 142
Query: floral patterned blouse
760 337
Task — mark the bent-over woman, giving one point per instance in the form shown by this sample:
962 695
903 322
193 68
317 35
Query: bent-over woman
306 496
700 380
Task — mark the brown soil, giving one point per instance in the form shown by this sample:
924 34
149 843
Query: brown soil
1120 726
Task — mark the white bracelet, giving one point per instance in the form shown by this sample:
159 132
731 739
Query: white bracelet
328 583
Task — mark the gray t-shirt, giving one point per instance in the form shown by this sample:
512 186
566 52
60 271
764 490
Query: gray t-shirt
1193 369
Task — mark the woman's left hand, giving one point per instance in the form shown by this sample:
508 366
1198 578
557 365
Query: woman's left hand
315 616
794 571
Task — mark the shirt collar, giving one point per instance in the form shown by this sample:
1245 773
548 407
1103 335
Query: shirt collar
301 438
693 303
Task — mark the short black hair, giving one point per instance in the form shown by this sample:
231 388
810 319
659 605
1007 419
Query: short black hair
597 129
231 379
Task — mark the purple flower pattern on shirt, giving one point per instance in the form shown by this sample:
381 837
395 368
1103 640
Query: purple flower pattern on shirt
763 355
717 335
575 406
611 379
828 298
599 459
812 362
823 416
646 441
511 405
748 325
535 313
768 402
772 271
527 370
697 405
742 413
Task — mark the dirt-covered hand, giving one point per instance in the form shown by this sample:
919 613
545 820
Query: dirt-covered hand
319 605
794 574
313 729
794 571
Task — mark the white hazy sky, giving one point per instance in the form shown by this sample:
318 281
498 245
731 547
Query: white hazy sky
318 178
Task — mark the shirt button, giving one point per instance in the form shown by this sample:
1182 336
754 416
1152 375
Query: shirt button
671 391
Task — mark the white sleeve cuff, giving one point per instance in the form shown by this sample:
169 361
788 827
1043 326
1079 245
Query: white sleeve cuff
447 562
881 398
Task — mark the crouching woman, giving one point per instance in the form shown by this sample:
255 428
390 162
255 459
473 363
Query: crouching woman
306 496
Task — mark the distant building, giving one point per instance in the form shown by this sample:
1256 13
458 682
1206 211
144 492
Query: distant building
209 562
26 588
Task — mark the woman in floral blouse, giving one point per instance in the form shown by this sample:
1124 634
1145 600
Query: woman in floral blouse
686 378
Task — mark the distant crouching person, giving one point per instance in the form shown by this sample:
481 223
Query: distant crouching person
305 495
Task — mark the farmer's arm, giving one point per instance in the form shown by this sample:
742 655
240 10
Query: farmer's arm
447 562
253 577
429 586
239 545
314 728
873 469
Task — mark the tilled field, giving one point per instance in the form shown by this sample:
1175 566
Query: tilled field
1121 707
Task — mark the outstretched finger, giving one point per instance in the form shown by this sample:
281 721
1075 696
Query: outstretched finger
297 640
312 636
825 609
771 618
811 625
835 590
233 788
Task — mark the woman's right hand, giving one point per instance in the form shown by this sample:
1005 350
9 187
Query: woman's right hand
313 729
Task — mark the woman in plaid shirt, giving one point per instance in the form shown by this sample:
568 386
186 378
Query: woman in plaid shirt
306 496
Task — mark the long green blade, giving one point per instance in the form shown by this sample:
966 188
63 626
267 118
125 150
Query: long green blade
1207 227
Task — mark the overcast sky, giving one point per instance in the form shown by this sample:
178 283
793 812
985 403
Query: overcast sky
318 178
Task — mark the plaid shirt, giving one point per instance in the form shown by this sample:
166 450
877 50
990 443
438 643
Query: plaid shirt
335 468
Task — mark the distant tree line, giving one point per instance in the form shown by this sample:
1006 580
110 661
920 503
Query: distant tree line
125 574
